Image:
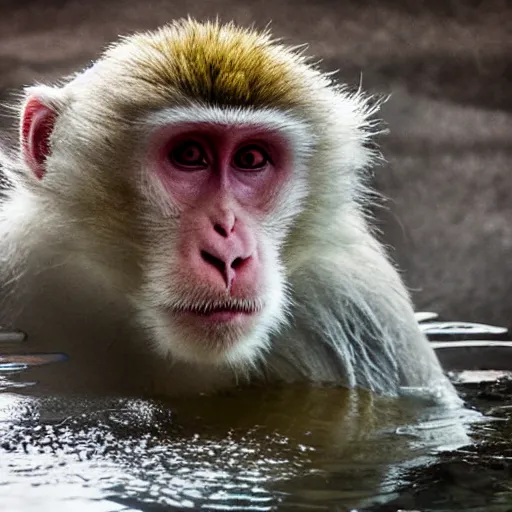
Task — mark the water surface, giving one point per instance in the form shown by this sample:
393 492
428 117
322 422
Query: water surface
286 448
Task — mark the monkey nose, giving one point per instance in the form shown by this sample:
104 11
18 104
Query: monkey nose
227 268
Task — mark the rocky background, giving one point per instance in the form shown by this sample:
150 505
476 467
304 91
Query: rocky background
448 66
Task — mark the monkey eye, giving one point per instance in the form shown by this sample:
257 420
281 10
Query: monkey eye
251 158
188 155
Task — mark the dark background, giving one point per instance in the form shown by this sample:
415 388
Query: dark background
448 65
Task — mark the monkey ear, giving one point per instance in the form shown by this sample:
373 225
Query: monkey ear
37 123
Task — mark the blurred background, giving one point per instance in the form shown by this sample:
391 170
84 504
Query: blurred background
448 67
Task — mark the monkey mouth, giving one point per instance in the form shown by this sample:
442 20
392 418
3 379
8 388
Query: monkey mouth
219 312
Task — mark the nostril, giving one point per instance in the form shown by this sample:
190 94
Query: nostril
219 229
212 260
236 263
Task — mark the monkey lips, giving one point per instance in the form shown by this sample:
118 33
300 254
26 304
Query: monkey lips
210 331
233 312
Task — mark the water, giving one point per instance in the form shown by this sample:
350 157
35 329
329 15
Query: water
286 448
246 450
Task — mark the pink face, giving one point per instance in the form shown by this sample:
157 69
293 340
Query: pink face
213 279
224 180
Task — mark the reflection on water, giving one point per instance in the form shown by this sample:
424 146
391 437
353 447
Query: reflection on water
249 451
13 365
252 449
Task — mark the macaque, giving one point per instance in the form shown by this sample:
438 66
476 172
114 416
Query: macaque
190 214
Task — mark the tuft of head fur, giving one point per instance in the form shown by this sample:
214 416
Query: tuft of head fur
214 64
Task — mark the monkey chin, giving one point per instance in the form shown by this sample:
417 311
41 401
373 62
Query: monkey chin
236 339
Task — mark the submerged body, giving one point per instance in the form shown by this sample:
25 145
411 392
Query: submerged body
189 214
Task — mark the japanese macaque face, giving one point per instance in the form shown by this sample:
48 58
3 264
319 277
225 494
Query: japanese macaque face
224 191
